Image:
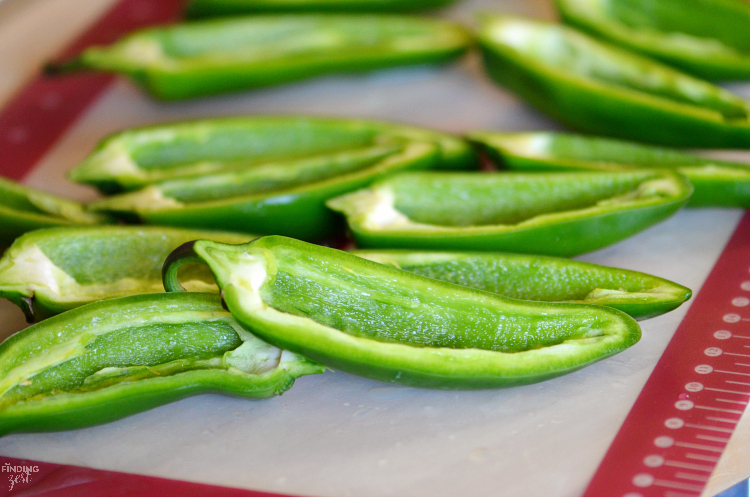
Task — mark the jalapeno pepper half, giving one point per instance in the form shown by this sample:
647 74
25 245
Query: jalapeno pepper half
214 8
603 89
708 38
384 323
53 270
560 214
24 209
134 158
114 358
217 56
270 200
536 277
716 182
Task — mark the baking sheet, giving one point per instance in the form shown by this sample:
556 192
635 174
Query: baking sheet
336 434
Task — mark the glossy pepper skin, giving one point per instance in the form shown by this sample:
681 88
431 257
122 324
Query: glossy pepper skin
562 214
387 324
214 8
257 174
217 56
602 89
137 157
52 270
716 182
110 359
707 38
25 209
536 277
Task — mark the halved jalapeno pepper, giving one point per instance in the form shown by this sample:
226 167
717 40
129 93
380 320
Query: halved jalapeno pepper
53 270
560 214
708 38
25 209
257 174
715 182
536 277
275 199
215 8
134 158
217 56
602 89
114 358
384 323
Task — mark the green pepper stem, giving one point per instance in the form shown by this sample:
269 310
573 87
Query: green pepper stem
66 67
179 256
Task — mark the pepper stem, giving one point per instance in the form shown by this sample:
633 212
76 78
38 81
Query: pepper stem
179 256
66 67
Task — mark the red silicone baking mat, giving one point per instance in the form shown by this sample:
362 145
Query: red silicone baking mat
682 420
667 446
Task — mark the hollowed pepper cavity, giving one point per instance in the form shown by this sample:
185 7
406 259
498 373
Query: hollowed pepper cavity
561 214
536 277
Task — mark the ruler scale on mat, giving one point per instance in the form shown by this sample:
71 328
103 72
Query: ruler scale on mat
681 422
671 440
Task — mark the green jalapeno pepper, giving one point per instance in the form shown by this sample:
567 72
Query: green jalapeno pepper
708 38
536 277
602 89
53 270
391 325
134 158
560 214
715 182
24 209
214 8
216 56
114 358
282 200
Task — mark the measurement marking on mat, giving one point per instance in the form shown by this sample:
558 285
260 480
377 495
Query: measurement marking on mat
738 355
701 457
732 401
687 465
679 485
727 391
670 493
712 439
709 408
723 420
736 382
690 476
706 427
710 448
731 372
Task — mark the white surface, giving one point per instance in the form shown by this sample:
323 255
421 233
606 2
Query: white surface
339 435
